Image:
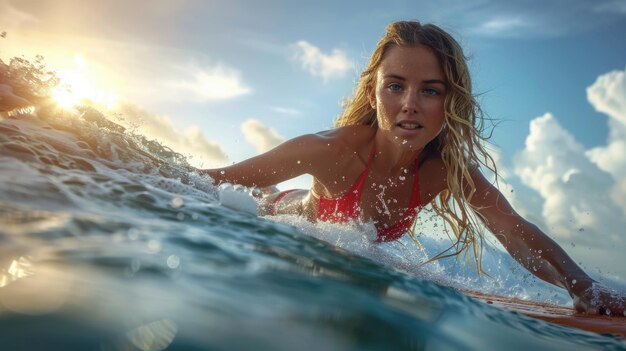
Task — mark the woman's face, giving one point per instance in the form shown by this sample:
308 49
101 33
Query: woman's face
409 96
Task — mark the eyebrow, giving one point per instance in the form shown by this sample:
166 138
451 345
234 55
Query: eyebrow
428 81
436 81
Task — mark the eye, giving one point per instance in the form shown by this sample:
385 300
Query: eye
430 91
394 87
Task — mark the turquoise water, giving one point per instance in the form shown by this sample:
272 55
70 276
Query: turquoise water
109 242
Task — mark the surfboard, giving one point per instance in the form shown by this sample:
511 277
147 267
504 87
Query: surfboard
561 315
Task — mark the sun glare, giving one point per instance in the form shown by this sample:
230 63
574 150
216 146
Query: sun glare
78 86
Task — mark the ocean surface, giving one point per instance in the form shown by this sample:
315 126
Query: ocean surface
110 241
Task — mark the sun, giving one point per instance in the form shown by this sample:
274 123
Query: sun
78 87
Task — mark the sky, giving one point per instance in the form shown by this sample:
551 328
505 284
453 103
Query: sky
221 81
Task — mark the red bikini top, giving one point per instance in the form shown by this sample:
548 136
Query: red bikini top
346 207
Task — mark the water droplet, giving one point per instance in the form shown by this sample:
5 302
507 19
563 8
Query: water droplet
402 178
180 216
298 162
581 229
225 186
133 234
222 172
573 245
177 202
173 261
256 192
574 281
154 246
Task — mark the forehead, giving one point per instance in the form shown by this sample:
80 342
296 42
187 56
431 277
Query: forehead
411 61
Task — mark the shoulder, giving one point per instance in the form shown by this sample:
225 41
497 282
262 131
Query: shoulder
325 149
348 136
341 142
342 134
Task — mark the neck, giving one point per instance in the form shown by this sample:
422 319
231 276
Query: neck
394 157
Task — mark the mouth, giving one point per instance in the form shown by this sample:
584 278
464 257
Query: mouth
409 125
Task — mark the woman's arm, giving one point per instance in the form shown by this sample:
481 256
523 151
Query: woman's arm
288 160
538 253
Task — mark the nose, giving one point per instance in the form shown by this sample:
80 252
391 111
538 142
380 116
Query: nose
409 103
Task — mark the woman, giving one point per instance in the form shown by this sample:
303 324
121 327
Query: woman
410 136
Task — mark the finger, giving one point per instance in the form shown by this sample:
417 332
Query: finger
618 310
604 311
585 309
615 305
582 306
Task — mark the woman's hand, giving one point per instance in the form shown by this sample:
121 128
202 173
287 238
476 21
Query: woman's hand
597 298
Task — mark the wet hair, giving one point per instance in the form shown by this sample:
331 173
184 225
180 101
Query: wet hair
461 144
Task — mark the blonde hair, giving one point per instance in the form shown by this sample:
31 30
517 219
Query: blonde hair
460 144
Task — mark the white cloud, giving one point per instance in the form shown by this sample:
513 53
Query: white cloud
576 192
615 6
210 83
504 26
191 142
260 136
608 94
286 110
582 188
611 157
327 66
533 18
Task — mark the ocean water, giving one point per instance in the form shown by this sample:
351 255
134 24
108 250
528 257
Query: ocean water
109 241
